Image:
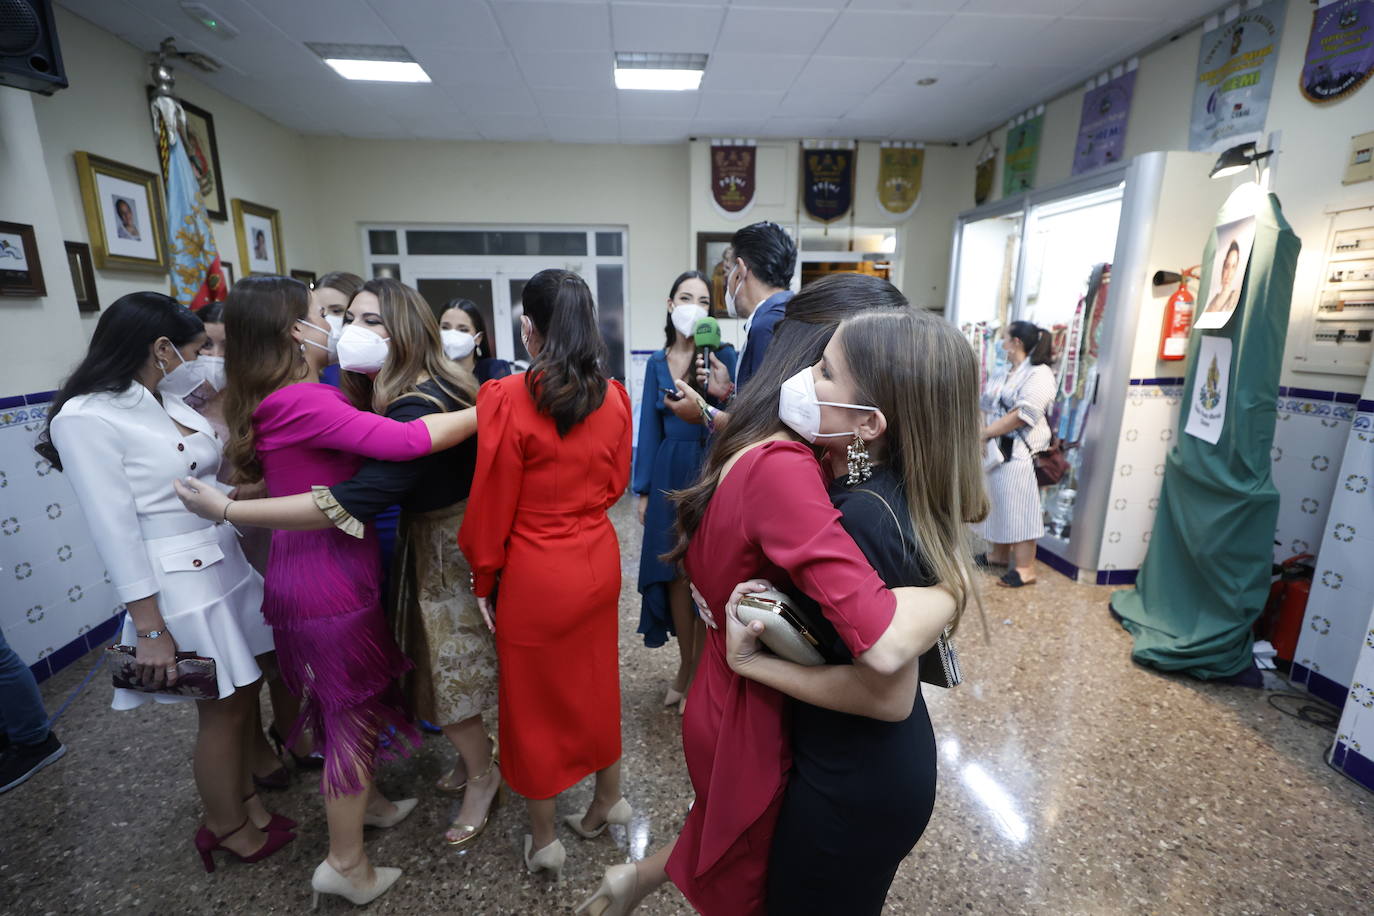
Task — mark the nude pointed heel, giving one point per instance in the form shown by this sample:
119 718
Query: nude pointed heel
403 809
550 858
614 896
620 813
328 881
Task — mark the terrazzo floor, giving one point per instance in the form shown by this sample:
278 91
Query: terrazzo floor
1071 782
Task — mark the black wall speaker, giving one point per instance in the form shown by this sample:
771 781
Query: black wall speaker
29 56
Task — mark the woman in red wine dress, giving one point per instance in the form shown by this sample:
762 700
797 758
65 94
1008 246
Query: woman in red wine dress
553 456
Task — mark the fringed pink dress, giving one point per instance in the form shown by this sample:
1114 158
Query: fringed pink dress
322 591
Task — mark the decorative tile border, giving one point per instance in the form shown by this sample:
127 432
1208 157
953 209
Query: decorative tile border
24 408
1319 685
1353 764
95 638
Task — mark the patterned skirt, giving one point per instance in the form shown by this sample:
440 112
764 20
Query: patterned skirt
437 622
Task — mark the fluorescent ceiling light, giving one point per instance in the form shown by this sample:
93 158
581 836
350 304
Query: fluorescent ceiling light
659 72
373 63
379 71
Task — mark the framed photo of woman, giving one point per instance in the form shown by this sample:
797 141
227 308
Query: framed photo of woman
259 235
124 214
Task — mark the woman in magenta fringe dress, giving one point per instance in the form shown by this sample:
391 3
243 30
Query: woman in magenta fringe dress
321 596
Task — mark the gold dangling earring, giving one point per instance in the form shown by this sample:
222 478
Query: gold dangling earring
860 468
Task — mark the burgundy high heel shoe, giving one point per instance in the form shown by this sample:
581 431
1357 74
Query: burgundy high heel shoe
279 823
207 843
311 761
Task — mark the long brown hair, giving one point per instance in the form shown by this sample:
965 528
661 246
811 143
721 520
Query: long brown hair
260 357
341 280
921 373
567 379
416 349
798 341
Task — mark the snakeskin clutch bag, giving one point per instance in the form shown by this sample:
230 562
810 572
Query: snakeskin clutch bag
196 678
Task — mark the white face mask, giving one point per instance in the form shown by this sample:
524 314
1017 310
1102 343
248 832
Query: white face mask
730 296
183 379
362 351
336 326
801 411
331 347
685 317
212 371
458 344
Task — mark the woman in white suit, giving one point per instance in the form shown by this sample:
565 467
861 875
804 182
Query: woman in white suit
121 433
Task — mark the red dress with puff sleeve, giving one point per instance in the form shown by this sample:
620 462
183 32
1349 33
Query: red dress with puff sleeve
770 517
537 516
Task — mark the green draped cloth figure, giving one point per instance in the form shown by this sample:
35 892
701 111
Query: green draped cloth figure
1206 575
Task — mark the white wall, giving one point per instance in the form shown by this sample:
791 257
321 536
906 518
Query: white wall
1312 152
409 181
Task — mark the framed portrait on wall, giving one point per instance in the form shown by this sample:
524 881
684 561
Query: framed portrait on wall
124 214
21 273
83 276
259 235
711 250
203 150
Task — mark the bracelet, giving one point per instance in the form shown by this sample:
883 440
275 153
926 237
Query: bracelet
151 634
225 517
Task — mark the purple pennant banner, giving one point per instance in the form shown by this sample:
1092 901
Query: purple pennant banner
1102 127
1340 50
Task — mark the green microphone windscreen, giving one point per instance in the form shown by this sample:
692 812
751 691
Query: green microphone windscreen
707 333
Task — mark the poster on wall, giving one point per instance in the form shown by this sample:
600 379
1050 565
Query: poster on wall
1235 76
1207 411
983 174
827 183
900 166
1023 154
1234 240
1340 50
732 177
1102 126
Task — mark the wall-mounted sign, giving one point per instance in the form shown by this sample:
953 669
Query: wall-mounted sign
1340 50
1235 76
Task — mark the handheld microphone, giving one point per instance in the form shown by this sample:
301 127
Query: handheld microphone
706 335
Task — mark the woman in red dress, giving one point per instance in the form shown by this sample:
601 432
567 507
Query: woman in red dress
762 510
553 456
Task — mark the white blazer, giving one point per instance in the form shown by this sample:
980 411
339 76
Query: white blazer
121 452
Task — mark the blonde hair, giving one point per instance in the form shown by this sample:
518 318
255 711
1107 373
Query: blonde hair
416 350
921 373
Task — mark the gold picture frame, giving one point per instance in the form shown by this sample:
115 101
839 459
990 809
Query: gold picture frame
258 230
124 214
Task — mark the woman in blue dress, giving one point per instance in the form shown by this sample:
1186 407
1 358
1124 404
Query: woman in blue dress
668 457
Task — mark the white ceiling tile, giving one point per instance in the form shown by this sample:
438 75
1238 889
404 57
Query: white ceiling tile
732 70
469 67
439 23
1028 7
819 104
909 6
869 34
655 130
677 27
443 131
576 103
567 69
405 98
1157 10
320 20
510 127
745 106
583 130
538 24
640 104
789 127
949 74
771 5
844 74
986 39
512 102
752 30
726 127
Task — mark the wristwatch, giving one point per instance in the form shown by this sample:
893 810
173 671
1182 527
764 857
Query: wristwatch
151 634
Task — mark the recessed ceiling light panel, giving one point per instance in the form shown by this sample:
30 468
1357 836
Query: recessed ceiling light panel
659 72
371 63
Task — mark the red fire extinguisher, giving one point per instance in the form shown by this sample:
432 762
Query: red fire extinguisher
1281 620
1178 319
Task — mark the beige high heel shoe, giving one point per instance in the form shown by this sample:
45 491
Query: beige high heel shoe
620 813
614 896
550 858
328 881
403 809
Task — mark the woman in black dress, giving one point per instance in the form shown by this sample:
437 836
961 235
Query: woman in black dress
900 433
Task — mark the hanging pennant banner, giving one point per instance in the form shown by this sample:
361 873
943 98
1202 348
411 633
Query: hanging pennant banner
732 178
197 277
1023 153
1235 76
1102 126
827 183
1340 50
983 175
899 178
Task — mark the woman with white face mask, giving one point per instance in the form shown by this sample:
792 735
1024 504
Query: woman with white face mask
332 293
121 433
464 331
668 457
